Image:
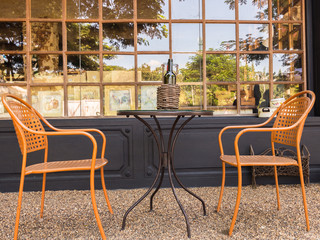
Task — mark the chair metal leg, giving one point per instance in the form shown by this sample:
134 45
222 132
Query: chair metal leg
304 197
94 204
236 209
222 185
105 190
277 185
16 228
42 194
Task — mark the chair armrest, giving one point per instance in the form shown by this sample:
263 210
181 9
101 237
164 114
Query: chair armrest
243 126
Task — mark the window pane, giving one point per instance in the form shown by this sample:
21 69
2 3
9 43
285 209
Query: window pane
83 101
12 68
13 9
254 67
286 90
18 91
220 9
47 68
12 35
287 36
83 68
119 68
253 10
254 37
191 9
118 98
118 37
46 36
152 67
287 67
286 10
221 95
83 36
220 37
191 96
183 41
48 100
253 96
153 37
117 9
221 68
153 9
46 9
188 67
82 9
147 97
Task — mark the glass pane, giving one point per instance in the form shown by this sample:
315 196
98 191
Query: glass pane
151 67
287 36
153 37
82 9
83 101
13 9
254 37
253 96
83 36
253 10
118 98
286 90
12 68
46 9
221 95
47 68
191 96
118 37
220 9
46 36
221 68
119 68
83 68
153 9
254 67
286 10
147 97
117 9
221 37
287 67
48 100
191 9
183 41
12 35
188 67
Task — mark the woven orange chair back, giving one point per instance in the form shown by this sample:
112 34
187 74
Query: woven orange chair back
294 111
23 114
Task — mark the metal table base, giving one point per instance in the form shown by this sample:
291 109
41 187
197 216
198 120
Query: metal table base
166 162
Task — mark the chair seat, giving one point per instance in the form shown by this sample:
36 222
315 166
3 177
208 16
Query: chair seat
61 166
259 160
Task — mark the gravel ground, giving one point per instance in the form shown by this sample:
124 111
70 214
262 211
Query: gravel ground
69 214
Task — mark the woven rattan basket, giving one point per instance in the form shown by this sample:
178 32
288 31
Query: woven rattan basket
168 96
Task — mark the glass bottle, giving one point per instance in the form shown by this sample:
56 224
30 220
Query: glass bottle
169 77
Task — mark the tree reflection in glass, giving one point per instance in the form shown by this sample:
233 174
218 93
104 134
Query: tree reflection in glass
287 67
287 36
254 37
221 67
12 67
152 67
12 35
82 9
254 67
82 36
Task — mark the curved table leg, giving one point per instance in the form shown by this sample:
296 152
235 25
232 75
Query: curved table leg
156 178
154 193
180 205
173 170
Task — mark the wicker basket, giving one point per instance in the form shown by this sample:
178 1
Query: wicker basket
168 96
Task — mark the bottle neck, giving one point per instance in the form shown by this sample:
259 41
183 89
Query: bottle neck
170 66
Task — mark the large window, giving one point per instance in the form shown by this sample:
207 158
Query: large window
90 58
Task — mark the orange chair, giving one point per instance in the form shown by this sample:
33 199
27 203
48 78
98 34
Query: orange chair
287 129
33 137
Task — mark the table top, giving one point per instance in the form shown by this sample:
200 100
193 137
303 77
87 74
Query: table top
164 112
